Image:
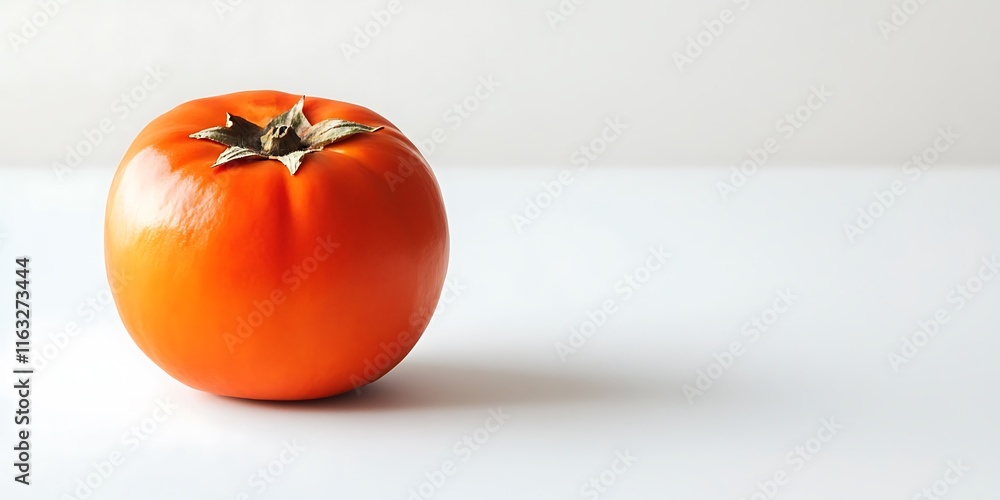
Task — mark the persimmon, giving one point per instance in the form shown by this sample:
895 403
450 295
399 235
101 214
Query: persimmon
273 246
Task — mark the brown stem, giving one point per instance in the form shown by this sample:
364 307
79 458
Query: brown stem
280 140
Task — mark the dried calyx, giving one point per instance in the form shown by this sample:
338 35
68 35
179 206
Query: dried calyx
286 138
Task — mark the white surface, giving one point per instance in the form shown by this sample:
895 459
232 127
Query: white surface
494 346
608 58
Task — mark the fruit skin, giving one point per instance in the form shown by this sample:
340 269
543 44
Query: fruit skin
197 256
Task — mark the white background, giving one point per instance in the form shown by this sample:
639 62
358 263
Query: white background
609 58
522 290
520 294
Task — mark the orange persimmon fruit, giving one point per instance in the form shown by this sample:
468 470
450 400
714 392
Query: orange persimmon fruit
265 245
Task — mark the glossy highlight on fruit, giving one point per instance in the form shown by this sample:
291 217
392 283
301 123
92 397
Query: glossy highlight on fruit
264 245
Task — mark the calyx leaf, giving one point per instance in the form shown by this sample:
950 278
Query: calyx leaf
287 137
